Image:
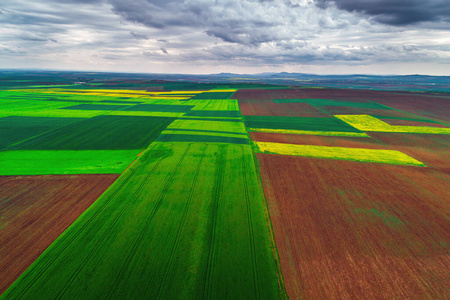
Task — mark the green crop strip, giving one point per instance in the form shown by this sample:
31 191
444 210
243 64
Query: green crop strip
199 132
298 123
101 133
186 220
206 138
65 162
200 124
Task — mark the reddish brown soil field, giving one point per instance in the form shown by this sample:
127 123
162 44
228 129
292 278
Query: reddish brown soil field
400 122
330 141
436 108
35 210
270 108
343 94
349 230
257 94
431 149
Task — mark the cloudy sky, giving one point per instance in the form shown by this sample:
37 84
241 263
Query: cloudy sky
241 36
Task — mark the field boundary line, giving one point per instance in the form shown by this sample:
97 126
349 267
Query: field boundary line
97 245
268 221
250 226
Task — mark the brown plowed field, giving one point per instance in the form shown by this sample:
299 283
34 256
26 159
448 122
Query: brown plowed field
350 230
270 108
330 141
436 108
431 149
400 122
35 210
347 95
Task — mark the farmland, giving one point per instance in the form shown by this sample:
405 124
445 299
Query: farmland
137 189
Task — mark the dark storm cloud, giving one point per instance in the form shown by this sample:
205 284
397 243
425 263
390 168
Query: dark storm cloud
253 33
396 12
247 22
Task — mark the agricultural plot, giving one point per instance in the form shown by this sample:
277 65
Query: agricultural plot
344 153
213 95
187 220
215 105
222 193
369 123
189 130
35 210
47 162
16 129
319 140
309 132
298 123
215 113
160 107
344 229
199 137
328 102
101 133
207 125
96 107
272 108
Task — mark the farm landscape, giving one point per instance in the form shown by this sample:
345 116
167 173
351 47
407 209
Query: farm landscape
161 189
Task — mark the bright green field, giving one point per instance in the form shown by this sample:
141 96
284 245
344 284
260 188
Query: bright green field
231 127
29 162
186 220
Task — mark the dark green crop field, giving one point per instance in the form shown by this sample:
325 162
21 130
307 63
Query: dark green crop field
298 123
101 133
16 129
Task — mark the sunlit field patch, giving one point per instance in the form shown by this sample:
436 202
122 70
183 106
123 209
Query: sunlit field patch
232 127
211 133
47 162
227 105
369 123
353 154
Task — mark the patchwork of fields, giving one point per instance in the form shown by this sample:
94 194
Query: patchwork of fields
216 191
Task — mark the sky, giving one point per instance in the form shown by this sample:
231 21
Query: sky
235 36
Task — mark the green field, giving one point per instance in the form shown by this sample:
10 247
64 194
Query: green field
213 95
298 123
160 107
97 107
41 162
17 129
231 127
101 133
186 220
